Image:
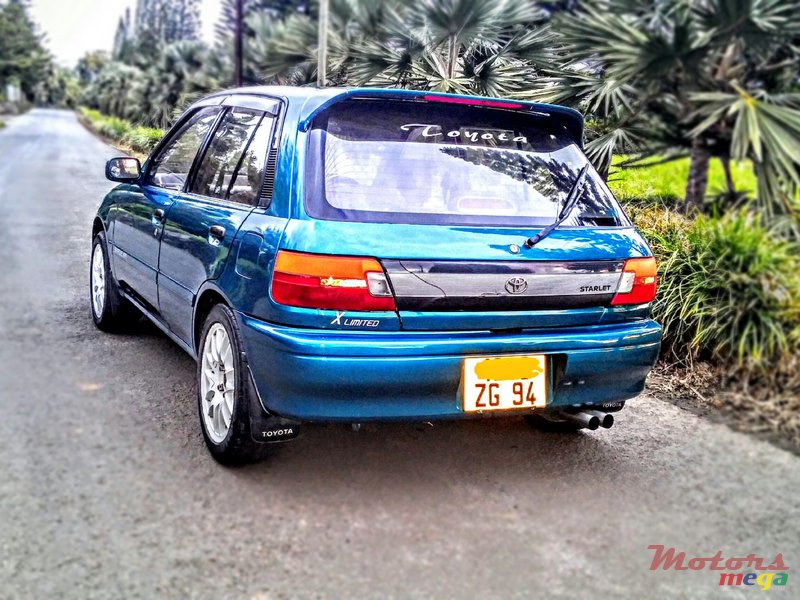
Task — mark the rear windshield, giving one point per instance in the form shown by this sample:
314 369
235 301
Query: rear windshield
435 163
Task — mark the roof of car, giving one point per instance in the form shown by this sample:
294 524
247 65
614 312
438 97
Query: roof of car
305 95
314 100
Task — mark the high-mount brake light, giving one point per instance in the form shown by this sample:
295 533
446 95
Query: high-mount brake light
473 102
638 282
330 282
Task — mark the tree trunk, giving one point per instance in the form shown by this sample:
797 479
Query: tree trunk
729 184
698 176
322 44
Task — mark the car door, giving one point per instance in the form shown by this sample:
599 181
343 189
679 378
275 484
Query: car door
203 220
139 216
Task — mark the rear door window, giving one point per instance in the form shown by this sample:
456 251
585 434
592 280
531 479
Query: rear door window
424 162
220 164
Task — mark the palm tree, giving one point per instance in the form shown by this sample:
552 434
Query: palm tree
686 77
172 81
283 51
463 46
466 46
109 90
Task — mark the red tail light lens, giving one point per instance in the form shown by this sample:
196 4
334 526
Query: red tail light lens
638 283
332 282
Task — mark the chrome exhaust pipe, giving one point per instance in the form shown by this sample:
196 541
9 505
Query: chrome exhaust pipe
606 419
583 418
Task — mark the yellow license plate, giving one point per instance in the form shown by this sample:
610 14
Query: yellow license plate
504 383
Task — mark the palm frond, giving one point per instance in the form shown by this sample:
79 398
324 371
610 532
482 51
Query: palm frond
766 130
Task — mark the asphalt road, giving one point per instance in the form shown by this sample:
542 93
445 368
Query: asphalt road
106 489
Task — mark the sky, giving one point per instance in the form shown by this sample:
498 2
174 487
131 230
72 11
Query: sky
75 27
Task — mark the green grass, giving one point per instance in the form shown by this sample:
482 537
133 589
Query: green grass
143 139
667 181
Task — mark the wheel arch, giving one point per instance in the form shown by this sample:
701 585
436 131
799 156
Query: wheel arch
97 226
207 298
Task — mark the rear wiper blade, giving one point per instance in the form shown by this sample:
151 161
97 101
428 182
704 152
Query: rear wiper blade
569 204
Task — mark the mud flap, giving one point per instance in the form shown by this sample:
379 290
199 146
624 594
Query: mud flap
264 427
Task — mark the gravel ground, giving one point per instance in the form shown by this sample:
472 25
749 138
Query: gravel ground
107 491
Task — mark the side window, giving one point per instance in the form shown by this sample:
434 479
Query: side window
247 181
230 141
171 168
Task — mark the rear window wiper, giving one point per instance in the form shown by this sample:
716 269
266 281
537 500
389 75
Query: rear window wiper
569 204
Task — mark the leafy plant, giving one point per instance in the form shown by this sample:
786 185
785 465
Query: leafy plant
729 288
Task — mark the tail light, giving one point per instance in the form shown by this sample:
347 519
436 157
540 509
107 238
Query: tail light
638 283
333 282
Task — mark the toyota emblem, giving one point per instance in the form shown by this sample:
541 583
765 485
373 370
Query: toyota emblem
516 285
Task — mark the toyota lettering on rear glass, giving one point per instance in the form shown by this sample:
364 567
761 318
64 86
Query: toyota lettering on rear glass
465 133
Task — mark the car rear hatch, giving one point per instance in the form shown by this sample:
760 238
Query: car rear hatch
458 278
445 191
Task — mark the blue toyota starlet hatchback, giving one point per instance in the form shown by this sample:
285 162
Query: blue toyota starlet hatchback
374 254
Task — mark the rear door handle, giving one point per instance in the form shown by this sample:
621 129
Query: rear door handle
217 232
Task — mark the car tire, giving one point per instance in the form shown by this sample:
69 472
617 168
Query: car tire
544 423
223 393
110 311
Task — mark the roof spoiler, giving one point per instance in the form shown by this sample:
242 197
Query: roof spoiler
571 119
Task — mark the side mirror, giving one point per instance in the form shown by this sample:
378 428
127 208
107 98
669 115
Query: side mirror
123 170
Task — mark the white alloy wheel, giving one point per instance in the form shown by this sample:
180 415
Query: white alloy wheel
98 282
217 383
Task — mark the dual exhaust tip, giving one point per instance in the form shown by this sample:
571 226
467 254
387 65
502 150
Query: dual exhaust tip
589 419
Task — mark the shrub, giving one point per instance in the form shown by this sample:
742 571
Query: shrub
93 115
664 228
729 288
139 139
113 127
143 139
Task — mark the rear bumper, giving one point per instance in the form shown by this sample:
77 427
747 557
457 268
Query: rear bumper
312 374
